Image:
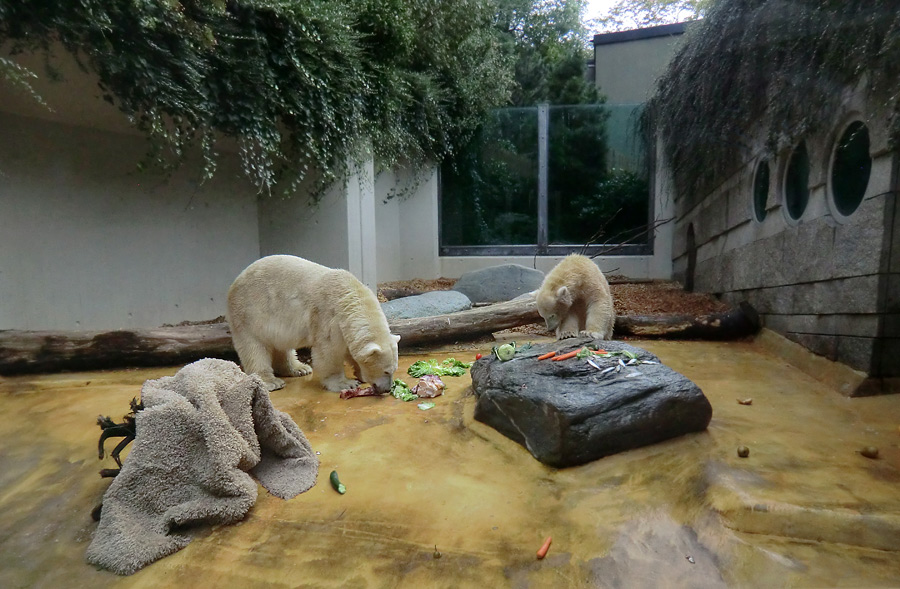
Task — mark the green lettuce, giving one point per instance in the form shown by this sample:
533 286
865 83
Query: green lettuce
449 367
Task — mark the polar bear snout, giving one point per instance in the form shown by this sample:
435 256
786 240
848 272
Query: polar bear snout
383 385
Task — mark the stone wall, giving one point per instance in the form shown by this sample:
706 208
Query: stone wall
828 281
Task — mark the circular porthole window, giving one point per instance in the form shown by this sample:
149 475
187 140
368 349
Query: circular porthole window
850 168
796 183
761 190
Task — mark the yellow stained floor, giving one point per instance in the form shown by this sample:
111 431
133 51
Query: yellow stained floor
805 509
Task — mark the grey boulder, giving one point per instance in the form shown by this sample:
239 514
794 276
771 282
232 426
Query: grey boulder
498 283
436 302
570 412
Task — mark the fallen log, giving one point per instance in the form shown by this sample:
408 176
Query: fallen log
741 321
54 351
467 324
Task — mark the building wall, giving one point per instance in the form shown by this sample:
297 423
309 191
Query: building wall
87 242
826 281
628 63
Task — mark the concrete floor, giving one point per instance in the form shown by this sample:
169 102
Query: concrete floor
805 509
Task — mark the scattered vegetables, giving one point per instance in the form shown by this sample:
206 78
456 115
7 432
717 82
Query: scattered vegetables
547 355
426 405
449 367
542 552
747 401
478 356
743 451
400 390
869 452
336 483
566 356
505 352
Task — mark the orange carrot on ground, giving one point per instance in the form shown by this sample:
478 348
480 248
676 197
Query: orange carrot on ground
543 550
600 352
567 355
547 355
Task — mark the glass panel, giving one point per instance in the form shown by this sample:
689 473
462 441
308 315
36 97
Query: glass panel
489 193
597 188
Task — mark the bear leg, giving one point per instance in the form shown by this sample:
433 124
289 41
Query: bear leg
568 327
330 368
285 363
256 358
601 319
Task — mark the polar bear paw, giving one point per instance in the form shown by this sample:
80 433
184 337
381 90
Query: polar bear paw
273 383
298 368
566 334
591 334
339 383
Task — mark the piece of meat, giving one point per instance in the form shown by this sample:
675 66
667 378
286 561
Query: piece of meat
359 392
429 386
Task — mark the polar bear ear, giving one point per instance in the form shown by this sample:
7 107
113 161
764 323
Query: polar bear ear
370 350
563 295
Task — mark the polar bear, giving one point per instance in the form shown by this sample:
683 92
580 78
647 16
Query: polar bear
281 303
574 299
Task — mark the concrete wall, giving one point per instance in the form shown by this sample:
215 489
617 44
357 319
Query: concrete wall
628 63
826 281
86 242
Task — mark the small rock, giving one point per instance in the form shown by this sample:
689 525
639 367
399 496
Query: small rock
743 451
747 401
869 452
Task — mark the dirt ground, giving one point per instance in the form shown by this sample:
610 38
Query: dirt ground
655 297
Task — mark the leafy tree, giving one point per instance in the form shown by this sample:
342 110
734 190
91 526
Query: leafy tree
303 85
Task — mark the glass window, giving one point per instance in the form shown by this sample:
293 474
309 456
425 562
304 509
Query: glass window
597 187
796 182
851 168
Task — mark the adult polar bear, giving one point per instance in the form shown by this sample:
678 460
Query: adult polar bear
281 303
574 299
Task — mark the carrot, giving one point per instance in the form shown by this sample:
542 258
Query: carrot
600 352
547 355
543 550
567 355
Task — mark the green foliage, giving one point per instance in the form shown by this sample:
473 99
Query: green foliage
302 85
776 65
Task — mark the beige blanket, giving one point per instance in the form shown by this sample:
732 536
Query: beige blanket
200 437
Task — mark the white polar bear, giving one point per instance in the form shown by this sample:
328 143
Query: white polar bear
281 303
574 299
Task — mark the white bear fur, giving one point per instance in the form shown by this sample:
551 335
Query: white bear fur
281 303
574 299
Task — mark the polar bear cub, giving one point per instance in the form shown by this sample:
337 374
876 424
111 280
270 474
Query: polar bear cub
574 299
281 303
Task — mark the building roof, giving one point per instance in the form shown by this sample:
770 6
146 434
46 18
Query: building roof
640 34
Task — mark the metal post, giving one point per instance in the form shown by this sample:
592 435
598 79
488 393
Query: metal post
543 128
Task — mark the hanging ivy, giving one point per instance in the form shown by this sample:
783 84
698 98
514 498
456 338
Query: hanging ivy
302 85
779 64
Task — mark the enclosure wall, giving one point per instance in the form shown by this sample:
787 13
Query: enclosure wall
825 280
87 242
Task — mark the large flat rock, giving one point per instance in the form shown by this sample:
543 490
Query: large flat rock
570 412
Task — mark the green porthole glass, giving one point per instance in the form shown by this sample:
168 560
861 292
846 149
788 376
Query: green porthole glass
761 190
796 183
851 168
